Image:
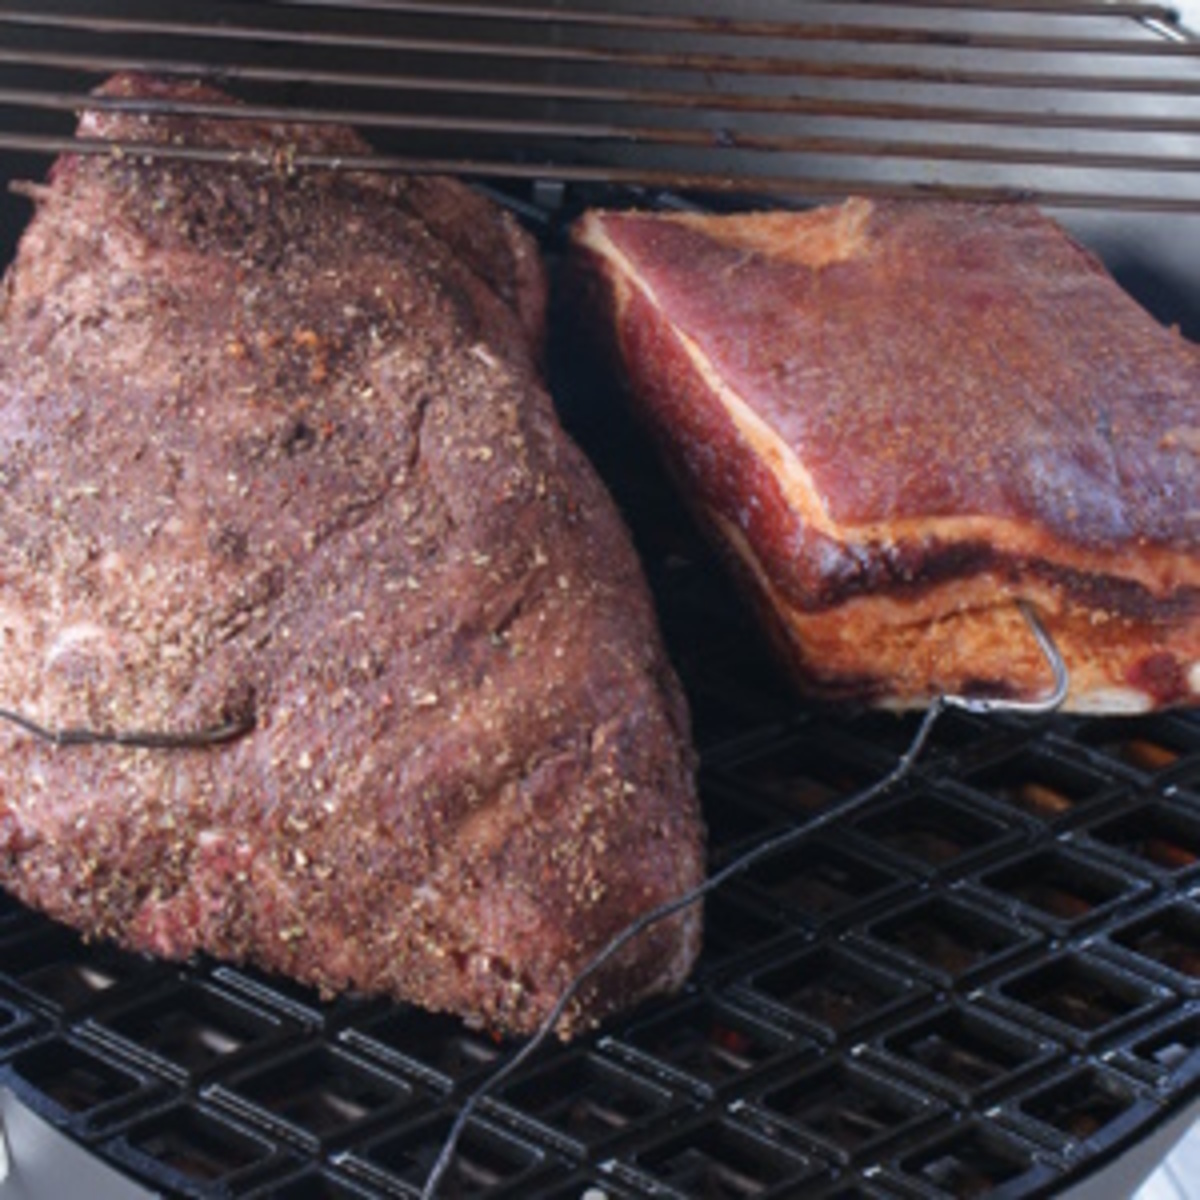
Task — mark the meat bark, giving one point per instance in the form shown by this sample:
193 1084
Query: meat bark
898 419
275 450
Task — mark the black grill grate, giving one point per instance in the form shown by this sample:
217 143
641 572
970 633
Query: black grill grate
985 982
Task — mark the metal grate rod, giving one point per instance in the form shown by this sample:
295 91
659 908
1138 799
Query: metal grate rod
673 23
635 99
713 183
601 131
614 55
856 72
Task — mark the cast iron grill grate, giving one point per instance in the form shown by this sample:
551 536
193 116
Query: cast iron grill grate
985 982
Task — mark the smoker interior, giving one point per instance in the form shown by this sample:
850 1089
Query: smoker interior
986 981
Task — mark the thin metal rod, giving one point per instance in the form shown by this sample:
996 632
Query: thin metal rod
146 739
558 52
638 99
1060 678
737 26
103 64
839 811
523 129
743 184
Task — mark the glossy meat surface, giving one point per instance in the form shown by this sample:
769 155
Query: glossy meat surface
978 366
898 418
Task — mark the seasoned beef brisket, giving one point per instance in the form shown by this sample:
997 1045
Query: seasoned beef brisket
275 451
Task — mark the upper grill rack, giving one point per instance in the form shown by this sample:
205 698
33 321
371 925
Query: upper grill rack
1072 105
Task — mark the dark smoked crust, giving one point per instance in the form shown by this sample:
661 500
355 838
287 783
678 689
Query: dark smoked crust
812 571
1141 503
896 348
277 440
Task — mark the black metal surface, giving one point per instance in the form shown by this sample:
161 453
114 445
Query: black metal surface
986 983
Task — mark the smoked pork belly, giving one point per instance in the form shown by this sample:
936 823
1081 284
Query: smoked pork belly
900 419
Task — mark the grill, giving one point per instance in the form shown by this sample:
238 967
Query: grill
983 982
